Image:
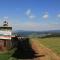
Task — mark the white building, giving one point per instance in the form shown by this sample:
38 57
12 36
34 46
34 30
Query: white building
5 36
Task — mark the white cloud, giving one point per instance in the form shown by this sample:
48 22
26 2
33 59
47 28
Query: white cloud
58 15
5 17
45 16
29 14
28 26
37 27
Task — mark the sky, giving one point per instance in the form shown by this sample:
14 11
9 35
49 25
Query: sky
35 15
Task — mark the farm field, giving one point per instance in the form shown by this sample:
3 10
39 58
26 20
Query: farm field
53 43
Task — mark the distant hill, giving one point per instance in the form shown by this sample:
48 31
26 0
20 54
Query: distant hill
41 33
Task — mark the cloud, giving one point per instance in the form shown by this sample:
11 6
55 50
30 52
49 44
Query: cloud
27 26
33 26
58 15
29 14
45 16
5 17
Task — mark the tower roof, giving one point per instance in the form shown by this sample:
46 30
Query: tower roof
5 23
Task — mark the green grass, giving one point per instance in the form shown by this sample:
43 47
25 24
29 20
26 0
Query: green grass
52 43
6 56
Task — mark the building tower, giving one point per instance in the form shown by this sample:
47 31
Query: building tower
5 36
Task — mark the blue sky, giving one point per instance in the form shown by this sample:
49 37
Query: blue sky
31 14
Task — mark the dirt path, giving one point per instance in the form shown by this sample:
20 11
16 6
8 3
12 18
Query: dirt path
45 53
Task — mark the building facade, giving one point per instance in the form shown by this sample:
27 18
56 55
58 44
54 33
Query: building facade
5 36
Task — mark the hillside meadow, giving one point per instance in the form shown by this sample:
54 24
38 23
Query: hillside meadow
53 43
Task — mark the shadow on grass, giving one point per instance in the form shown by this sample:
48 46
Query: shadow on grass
24 50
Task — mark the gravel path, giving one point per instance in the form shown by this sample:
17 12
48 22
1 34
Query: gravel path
45 53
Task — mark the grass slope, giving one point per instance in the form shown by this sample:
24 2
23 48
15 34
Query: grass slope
7 55
4 56
52 43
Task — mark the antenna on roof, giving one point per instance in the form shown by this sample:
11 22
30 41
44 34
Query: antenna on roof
5 23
